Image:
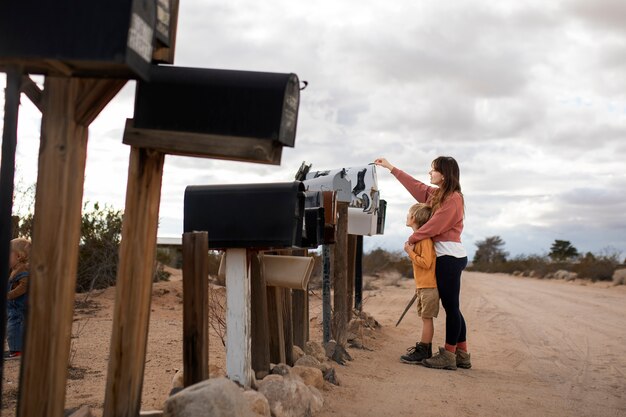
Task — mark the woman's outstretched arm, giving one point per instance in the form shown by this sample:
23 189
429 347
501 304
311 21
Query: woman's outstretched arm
417 189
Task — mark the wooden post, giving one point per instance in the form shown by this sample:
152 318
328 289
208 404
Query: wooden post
326 303
358 275
300 311
195 307
340 278
275 324
300 317
238 360
287 325
350 282
134 284
7 176
54 254
260 332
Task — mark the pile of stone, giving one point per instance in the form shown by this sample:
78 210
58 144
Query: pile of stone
286 392
619 277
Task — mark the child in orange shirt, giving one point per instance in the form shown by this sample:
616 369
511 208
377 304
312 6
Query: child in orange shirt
423 258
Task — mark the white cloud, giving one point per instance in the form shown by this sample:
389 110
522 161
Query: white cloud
529 97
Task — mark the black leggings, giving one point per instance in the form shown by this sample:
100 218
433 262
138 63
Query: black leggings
448 271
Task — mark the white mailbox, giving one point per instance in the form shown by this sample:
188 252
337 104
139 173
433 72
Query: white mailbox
363 195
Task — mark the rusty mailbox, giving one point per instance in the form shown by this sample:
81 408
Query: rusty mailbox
236 115
256 216
95 38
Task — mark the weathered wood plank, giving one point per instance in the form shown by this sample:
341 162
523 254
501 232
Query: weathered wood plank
300 311
358 275
350 276
195 307
340 277
287 325
204 146
260 331
275 324
326 298
166 54
238 356
94 95
134 284
32 91
56 234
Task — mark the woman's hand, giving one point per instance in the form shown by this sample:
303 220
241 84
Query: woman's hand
383 163
408 247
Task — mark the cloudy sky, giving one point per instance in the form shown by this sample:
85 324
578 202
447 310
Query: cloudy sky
529 97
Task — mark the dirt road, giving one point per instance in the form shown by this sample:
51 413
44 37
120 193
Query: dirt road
539 348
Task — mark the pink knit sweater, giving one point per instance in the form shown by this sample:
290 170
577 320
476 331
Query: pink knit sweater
446 224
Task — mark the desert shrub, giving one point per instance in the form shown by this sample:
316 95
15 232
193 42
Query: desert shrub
380 260
597 267
98 253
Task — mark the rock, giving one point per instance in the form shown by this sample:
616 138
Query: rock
290 397
533 274
517 273
619 277
331 376
280 369
356 343
566 275
178 380
312 377
330 347
257 403
83 411
216 371
272 377
316 350
525 273
219 397
355 326
297 353
549 276
337 352
308 360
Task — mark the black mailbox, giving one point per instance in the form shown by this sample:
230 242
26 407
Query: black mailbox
313 235
240 115
246 215
380 221
95 38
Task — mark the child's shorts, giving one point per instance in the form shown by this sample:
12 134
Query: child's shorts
427 302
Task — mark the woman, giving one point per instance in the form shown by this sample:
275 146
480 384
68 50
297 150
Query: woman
444 228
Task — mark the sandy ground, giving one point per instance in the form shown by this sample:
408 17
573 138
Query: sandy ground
540 348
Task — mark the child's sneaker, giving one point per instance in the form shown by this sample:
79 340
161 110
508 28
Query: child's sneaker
12 355
463 359
416 354
443 360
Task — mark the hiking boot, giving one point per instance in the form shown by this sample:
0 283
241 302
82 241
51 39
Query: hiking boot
416 354
463 359
442 360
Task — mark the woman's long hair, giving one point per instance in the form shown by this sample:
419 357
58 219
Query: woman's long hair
449 169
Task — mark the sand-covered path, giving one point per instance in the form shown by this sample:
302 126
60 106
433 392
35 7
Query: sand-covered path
540 348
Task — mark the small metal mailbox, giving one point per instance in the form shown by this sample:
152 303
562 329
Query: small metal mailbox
313 234
238 115
247 215
364 192
95 38
327 201
337 182
364 212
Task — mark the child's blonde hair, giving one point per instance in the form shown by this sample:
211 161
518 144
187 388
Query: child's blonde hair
421 213
21 247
